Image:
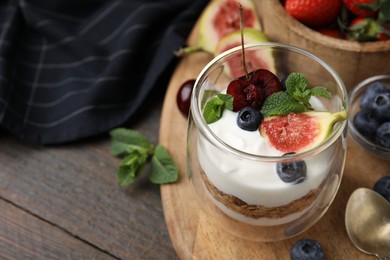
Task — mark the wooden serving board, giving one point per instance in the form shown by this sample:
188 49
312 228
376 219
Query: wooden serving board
195 237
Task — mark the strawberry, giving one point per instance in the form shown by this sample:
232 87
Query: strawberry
367 29
364 8
314 13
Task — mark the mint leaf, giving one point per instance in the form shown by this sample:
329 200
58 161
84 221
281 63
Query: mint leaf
320 92
281 103
125 141
296 83
164 169
228 99
137 150
208 93
297 86
130 167
213 110
295 99
118 148
302 97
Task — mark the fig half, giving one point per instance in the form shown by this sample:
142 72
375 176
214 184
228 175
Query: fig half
298 132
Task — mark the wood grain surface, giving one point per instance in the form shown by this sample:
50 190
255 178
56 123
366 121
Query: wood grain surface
195 237
20 227
64 202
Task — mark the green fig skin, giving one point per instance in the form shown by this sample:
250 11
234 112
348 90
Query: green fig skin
234 39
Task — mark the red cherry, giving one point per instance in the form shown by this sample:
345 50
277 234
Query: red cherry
253 92
245 94
183 97
267 81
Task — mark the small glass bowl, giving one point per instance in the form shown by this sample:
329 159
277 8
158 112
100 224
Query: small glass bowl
354 108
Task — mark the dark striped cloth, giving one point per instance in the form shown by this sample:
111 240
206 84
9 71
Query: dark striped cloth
70 69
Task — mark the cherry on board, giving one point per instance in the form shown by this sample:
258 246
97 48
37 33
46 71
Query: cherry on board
183 97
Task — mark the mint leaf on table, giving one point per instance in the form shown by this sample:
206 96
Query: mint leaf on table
130 167
135 151
164 169
126 140
213 109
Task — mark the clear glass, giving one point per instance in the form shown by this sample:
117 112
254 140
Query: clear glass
238 191
354 108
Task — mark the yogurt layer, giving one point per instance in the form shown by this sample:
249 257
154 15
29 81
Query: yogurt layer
254 181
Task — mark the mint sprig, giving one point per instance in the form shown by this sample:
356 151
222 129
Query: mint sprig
135 151
298 87
281 103
295 99
125 141
164 169
213 109
131 167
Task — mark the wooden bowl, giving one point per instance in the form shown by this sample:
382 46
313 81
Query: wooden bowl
353 61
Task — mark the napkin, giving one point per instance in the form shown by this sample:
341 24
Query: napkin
70 69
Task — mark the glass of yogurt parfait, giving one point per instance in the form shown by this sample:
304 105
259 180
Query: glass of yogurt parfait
237 174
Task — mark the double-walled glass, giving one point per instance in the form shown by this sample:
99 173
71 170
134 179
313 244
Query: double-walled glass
241 192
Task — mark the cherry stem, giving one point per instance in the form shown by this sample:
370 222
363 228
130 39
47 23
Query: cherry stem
242 41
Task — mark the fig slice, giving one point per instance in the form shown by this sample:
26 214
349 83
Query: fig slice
220 18
255 59
298 132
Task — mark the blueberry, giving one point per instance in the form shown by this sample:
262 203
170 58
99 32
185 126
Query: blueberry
381 107
306 249
291 172
365 124
249 119
382 186
283 83
382 137
368 95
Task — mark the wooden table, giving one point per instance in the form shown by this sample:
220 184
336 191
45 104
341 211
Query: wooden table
63 202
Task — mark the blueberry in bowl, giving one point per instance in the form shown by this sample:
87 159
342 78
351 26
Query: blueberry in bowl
369 115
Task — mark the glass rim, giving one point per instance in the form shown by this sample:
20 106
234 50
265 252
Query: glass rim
355 92
204 129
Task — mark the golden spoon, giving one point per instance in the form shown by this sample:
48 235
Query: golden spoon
367 219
